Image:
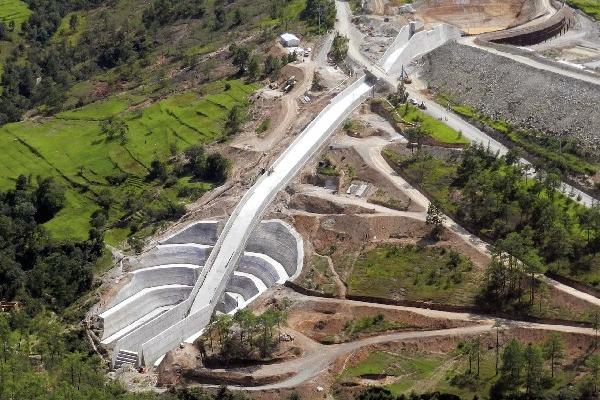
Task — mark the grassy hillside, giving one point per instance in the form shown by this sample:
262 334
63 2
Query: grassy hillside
14 10
72 148
591 7
141 63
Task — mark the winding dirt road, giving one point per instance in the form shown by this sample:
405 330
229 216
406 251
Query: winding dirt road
320 357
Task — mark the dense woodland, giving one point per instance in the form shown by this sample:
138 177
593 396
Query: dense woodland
34 268
44 352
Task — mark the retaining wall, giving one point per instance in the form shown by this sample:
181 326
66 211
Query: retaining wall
134 308
243 286
165 332
556 25
202 232
227 304
260 268
275 239
387 60
171 274
170 254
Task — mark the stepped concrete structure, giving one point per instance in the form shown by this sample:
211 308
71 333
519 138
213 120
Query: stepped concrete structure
172 291
163 278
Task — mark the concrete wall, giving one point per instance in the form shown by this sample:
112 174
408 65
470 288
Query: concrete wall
388 58
163 333
276 240
170 254
202 232
421 43
243 286
260 267
157 346
144 302
227 304
170 274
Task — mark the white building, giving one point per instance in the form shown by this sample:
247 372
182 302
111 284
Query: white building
289 40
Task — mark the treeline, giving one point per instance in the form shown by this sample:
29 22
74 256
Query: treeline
40 359
193 161
244 336
39 72
34 268
320 13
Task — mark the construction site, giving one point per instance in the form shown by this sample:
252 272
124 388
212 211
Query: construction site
326 191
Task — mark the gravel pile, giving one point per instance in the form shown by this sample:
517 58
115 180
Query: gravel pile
524 96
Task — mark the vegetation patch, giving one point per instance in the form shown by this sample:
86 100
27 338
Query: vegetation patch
318 276
370 325
415 273
591 7
430 126
410 369
432 175
104 150
15 11
533 225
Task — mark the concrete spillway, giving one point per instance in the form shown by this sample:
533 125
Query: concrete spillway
159 283
235 233
229 278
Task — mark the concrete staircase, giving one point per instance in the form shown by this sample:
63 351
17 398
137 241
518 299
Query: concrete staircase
126 357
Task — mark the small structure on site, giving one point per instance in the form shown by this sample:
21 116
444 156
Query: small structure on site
289 40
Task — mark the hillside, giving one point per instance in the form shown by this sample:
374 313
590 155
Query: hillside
159 71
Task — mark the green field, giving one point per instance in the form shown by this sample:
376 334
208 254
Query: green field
14 10
439 131
72 148
64 31
414 273
591 7
430 174
409 369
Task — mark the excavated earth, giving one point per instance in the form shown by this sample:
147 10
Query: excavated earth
478 16
524 96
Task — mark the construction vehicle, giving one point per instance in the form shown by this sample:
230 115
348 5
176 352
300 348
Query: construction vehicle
289 84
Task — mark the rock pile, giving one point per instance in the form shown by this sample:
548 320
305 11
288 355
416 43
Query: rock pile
521 95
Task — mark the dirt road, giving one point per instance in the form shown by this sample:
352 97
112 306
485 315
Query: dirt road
320 357
328 195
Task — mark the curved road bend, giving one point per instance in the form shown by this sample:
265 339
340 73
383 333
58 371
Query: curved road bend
531 62
319 359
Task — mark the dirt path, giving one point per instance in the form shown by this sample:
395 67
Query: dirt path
325 194
370 150
342 289
320 357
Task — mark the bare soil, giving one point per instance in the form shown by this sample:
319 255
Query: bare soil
476 16
325 323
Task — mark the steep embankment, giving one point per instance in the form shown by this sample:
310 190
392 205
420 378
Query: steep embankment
521 95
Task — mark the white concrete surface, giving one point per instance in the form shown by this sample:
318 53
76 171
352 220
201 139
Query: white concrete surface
228 248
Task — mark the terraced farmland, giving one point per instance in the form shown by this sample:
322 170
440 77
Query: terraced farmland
72 148
14 10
